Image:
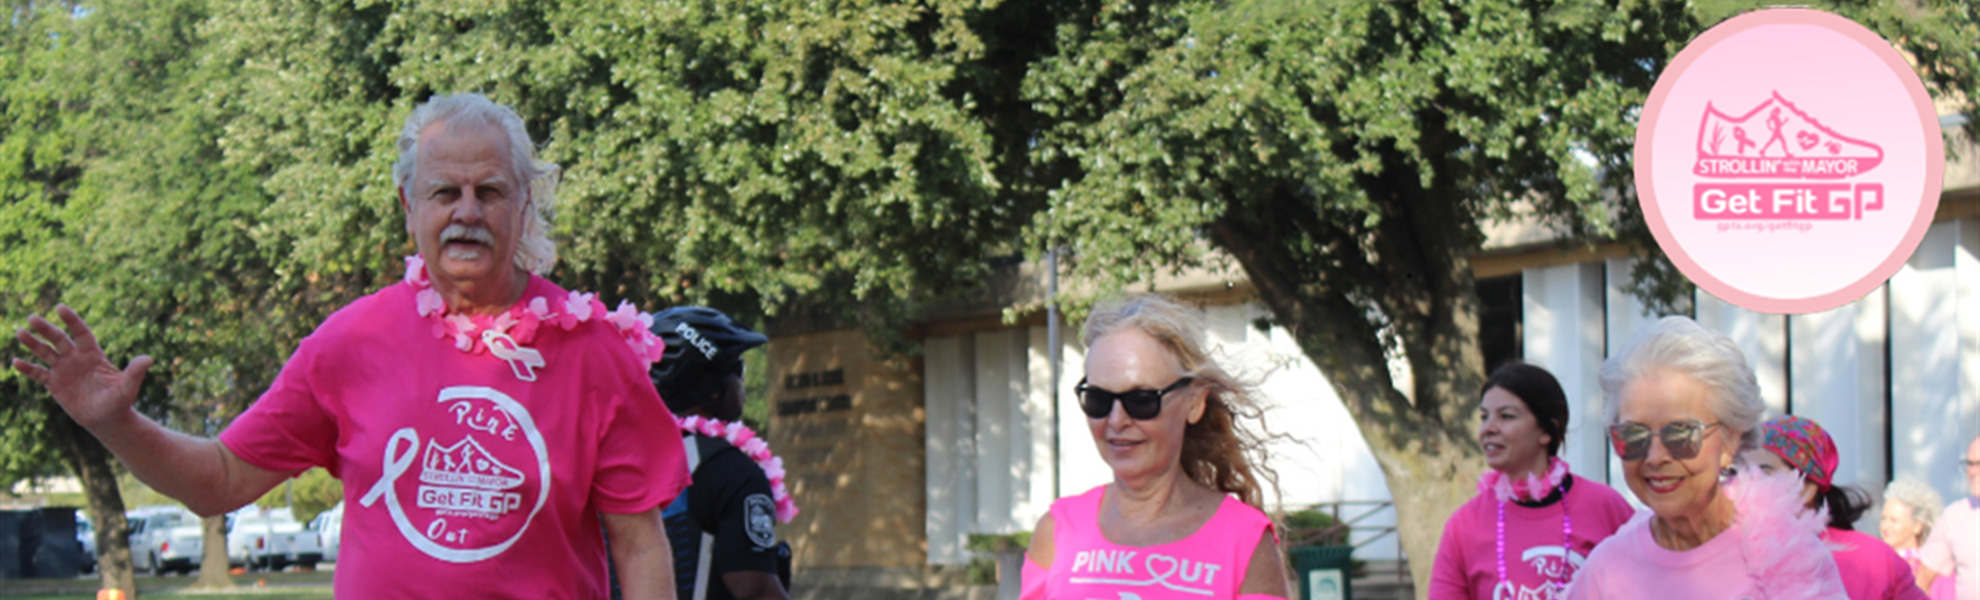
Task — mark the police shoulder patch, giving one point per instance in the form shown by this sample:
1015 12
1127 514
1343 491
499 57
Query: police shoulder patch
760 519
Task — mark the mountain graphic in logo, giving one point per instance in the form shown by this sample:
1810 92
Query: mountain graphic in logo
466 463
1777 140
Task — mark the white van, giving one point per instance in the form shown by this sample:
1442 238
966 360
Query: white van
329 526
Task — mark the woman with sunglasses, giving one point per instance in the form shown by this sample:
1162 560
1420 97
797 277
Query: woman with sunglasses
1682 403
1871 570
1533 522
1181 518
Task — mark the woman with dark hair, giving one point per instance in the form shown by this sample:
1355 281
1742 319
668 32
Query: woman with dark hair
1871 570
1533 522
1181 518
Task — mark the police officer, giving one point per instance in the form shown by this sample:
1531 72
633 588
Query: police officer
722 527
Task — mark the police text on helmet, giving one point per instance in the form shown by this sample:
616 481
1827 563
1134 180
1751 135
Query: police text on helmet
694 337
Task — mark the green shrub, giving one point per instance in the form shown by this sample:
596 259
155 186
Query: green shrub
1313 528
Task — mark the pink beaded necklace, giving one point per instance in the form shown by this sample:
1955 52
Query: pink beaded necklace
1531 490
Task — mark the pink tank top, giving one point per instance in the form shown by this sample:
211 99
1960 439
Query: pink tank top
1209 563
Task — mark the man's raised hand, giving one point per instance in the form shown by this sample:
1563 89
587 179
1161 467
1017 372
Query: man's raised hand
80 377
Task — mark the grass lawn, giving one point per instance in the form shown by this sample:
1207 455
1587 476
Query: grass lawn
279 586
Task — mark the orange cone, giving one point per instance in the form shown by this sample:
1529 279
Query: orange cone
110 594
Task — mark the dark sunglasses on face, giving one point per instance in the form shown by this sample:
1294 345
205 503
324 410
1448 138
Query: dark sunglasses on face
1141 405
1682 439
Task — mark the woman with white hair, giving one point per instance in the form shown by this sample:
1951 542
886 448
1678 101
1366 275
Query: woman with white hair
1181 518
1681 404
1910 510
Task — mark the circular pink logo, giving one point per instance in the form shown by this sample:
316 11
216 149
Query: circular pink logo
1789 161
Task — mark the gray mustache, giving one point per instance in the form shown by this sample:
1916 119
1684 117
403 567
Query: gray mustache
458 232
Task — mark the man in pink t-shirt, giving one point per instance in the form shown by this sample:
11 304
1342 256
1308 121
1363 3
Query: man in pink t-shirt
486 423
1953 549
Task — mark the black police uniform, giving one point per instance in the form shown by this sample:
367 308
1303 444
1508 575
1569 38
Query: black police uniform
729 504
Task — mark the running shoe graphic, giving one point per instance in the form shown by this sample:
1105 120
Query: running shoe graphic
1777 140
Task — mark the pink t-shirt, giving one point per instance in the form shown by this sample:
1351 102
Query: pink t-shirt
1943 588
460 478
1954 546
1871 570
1209 563
1630 564
1467 566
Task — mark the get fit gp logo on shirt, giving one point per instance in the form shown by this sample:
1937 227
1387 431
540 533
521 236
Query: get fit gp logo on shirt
1553 563
468 503
1788 161
1132 568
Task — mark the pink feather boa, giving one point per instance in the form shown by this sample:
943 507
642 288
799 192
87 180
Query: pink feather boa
1781 538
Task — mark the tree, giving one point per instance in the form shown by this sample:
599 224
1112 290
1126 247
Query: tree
1345 154
134 223
704 159
48 138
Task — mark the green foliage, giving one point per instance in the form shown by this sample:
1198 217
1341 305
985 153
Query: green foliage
1313 528
309 494
998 542
982 570
756 390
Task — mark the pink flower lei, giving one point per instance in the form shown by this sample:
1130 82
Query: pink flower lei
1532 489
744 439
522 321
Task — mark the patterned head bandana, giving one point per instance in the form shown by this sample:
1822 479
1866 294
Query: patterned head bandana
1804 445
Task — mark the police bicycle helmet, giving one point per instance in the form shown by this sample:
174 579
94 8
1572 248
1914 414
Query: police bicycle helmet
704 346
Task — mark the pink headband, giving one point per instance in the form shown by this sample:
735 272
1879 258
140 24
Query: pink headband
1804 445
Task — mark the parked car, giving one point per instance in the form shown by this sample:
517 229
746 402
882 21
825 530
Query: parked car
86 535
164 539
270 539
329 527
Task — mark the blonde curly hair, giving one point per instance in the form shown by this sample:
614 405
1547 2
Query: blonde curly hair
1216 451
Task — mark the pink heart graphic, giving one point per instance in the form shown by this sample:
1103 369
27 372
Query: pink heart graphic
1807 139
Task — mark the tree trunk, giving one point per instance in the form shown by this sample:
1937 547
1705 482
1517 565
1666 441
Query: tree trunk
1428 488
213 567
91 463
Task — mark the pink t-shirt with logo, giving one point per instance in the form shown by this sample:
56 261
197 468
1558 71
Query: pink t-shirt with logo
1467 565
460 478
1209 563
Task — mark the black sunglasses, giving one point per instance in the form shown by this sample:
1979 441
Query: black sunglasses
1681 438
1141 405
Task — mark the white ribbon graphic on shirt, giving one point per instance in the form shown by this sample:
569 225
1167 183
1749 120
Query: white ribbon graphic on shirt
1162 578
523 360
397 462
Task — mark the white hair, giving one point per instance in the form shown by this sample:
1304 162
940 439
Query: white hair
1923 501
1680 345
534 250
